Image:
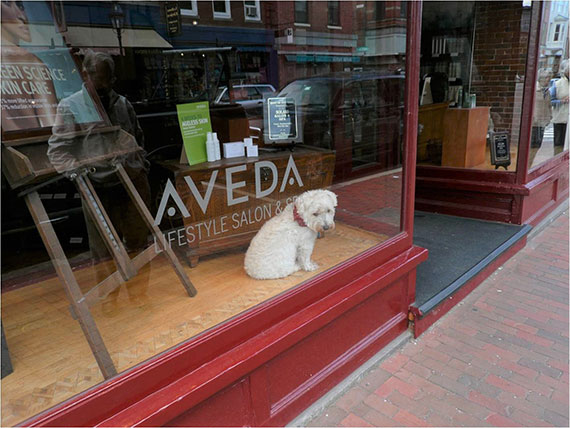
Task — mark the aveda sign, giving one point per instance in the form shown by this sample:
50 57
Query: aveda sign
290 177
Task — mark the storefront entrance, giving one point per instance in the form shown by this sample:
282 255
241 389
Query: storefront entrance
488 166
462 252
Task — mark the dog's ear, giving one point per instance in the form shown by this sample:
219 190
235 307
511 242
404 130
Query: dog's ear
301 203
333 197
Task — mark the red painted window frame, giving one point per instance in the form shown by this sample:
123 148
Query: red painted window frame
99 404
532 174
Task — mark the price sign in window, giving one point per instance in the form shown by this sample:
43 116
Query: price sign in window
282 119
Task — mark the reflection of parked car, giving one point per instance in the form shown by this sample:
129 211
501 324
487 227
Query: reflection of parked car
249 96
357 115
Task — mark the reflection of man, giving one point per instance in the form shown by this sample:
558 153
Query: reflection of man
559 95
542 114
99 70
28 94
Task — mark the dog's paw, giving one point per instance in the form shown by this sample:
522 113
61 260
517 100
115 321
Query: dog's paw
310 266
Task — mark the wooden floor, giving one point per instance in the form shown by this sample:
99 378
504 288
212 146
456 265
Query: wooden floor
152 313
539 156
487 164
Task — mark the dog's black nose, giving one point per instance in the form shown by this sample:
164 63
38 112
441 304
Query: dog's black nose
326 227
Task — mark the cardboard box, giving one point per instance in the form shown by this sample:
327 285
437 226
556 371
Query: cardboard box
234 150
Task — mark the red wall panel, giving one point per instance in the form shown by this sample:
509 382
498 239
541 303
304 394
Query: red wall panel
277 391
546 192
318 351
228 407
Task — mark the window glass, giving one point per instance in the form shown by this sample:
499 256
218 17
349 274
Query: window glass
334 15
549 135
302 11
251 9
189 7
380 10
250 93
221 8
156 185
471 84
263 89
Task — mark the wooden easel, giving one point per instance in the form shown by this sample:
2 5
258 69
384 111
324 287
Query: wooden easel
24 169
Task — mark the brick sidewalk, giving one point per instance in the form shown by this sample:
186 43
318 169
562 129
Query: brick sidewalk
499 358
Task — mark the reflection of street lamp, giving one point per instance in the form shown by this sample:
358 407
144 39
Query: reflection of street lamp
117 19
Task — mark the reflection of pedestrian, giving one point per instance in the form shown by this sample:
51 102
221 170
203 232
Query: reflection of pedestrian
27 102
99 71
542 114
559 95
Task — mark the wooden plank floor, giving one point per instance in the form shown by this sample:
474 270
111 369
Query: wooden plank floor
52 360
487 164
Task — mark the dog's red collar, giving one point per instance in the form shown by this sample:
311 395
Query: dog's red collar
298 218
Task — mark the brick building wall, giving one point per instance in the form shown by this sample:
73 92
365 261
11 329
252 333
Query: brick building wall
499 58
314 37
237 18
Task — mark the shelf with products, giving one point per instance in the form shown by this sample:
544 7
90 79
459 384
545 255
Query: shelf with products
446 54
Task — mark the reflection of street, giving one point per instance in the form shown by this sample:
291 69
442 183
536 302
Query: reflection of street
378 215
546 150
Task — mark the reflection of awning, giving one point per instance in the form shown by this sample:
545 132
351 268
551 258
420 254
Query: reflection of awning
96 37
254 48
322 58
105 37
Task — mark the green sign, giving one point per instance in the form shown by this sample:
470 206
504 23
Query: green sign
194 120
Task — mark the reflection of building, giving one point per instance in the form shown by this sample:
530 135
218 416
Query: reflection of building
314 38
145 38
491 60
241 25
383 29
554 36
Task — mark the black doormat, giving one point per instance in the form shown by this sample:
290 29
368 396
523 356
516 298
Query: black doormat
458 248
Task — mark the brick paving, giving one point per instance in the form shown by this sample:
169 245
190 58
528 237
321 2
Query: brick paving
499 358
379 215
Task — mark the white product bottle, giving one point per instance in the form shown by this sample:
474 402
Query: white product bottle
210 152
217 152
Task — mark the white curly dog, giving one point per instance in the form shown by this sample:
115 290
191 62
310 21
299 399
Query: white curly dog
285 243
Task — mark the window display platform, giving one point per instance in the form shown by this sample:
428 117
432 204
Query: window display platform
486 165
52 360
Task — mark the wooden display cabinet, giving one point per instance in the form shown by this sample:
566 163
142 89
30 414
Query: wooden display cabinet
465 136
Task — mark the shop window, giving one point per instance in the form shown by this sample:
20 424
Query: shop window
334 13
403 9
189 8
221 9
380 11
471 87
109 177
252 11
549 135
301 12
